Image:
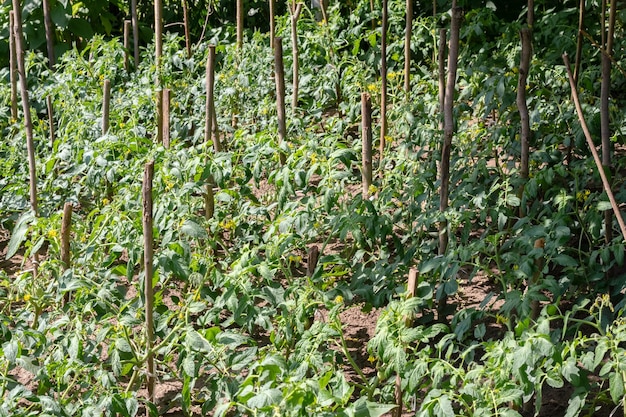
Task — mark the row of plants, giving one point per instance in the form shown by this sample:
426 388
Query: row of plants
238 322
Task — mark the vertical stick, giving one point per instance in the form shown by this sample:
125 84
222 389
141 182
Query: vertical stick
135 22
448 133
66 225
239 24
279 75
215 131
166 117
148 241
159 116
312 258
28 123
522 106
441 59
579 40
127 28
50 120
383 81
13 64
106 102
366 135
272 23
210 99
47 20
186 24
158 52
295 10
407 47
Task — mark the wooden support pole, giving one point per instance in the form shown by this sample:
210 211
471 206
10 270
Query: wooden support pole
407 47
135 24
366 136
209 114
148 242
127 29
186 24
47 20
383 81
166 117
522 107
441 62
28 123
295 10
592 148
51 125
272 23
312 258
106 106
279 76
13 64
239 24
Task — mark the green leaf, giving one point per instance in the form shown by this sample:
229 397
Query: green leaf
196 342
264 398
616 386
371 409
604 205
19 233
193 229
565 260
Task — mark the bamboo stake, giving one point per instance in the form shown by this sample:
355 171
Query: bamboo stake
166 117
366 149
148 241
50 120
407 47
279 75
294 10
47 20
106 103
28 123
383 82
13 65
135 24
127 28
592 147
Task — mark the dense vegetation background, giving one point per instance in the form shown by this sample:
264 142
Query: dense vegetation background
521 314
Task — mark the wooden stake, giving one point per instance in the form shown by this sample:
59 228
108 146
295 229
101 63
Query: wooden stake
166 117
13 64
135 24
106 102
383 81
312 258
51 124
209 113
47 20
127 29
148 242
522 106
279 75
441 60
28 123
407 47
366 135
159 116
272 23
579 40
186 24
592 148
239 24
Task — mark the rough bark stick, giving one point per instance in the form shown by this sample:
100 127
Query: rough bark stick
441 60
592 147
210 99
158 35
127 29
530 16
366 135
148 242
407 47
295 10
51 125
47 20
312 258
66 224
166 117
135 23
522 107
605 121
579 40
279 75
239 24
13 64
272 23
159 116
28 123
383 81
106 103
186 24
